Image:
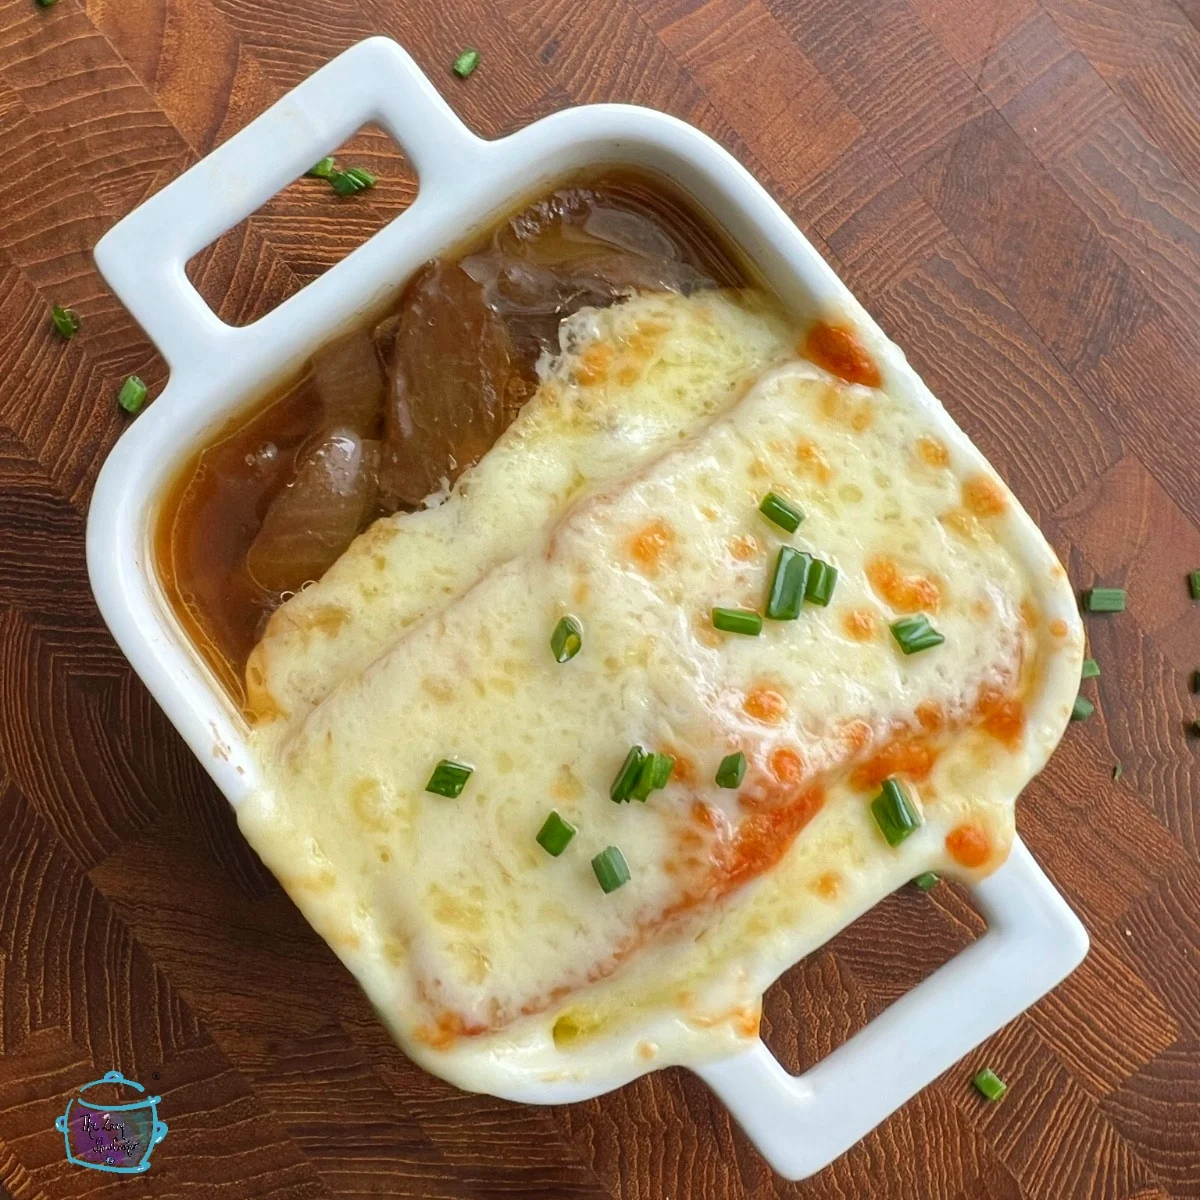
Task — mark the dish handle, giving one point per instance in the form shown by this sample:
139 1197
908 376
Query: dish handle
802 1122
144 256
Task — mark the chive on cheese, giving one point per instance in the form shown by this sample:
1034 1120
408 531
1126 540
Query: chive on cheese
914 634
449 778
737 620
895 813
611 869
555 834
778 511
786 592
732 770
567 639
627 776
821 580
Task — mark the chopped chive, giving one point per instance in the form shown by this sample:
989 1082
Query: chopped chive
927 881
567 639
1196 681
555 834
449 778
1091 669
46 3
324 169
821 580
654 772
1104 600
612 871
737 620
732 770
1118 771
627 776
1194 584
66 321
915 634
354 179
664 764
132 395
776 509
894 813
786 593
643 785
1082 709
990 1085
466 62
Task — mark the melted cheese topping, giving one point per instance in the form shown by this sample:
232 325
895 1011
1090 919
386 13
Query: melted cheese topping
637 511
632 380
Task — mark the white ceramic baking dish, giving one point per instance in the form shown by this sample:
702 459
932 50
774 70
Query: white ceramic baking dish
1033 940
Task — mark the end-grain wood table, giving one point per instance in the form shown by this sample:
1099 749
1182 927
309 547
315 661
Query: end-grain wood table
1013 189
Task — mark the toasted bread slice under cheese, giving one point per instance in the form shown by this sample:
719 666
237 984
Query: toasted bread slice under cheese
464 931
633 380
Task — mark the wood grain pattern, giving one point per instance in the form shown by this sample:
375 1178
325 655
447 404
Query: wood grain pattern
1013 188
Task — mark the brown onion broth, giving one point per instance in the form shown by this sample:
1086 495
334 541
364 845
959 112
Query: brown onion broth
215 505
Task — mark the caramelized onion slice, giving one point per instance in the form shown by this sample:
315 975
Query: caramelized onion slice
462 349
587 242
570 251
349 380
532 300
453 386
318 514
